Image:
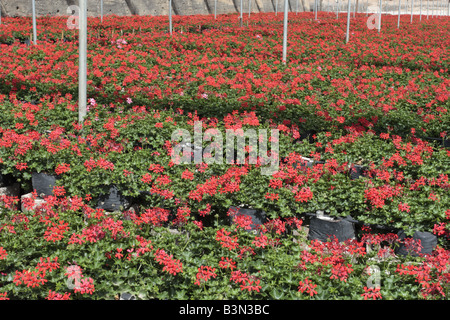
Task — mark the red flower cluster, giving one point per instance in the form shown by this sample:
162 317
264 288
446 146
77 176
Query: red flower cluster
204 274
3 253
171 265
433 274
52 295
56 231
227 241
307 286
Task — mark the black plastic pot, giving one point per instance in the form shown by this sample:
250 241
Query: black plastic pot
33 102
443 142
26 41
428 242
113 201
43 183
357 171
127 296
258 216
6 180
307 163
325 228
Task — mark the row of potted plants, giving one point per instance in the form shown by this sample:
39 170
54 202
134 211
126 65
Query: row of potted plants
400 178
171 234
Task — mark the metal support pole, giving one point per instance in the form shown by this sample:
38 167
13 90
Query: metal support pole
412 8
379 17
347 36
170 17
241 14
215 9
33 7
420 10
101 11
276 7
337 10
315 9
249 7
285 29
399 9
82 68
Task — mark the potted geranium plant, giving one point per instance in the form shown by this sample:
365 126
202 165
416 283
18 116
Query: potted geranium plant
34 157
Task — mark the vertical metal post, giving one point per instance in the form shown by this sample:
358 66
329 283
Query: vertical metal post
412 8
347 36
420 10
276 7
296 10
285 29
315 9
170 17
241 14
367 8
249 7
33 7
379 17
82 61
428 7
399 9
337 10
215 9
